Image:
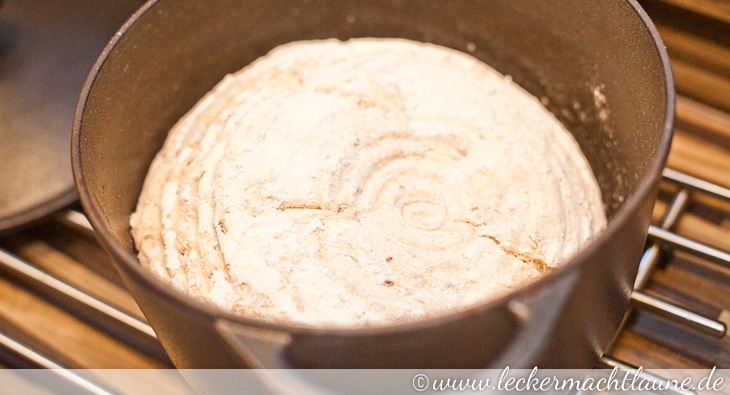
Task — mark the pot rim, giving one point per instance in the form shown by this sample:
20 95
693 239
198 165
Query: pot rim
643 191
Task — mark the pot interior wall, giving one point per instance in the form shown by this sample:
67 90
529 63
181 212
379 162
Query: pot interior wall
591 62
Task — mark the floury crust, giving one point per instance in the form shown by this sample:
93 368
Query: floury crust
363 183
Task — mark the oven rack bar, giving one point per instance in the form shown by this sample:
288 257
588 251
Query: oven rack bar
70 379
131 330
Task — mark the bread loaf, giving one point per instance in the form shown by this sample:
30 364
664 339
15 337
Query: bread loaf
363 183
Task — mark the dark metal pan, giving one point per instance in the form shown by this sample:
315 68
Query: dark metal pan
46 52
599 64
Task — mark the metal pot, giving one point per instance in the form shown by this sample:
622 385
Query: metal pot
599 66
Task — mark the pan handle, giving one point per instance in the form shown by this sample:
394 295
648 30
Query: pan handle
264 351
541 311
258 348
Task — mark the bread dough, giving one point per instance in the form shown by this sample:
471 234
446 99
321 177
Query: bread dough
363 183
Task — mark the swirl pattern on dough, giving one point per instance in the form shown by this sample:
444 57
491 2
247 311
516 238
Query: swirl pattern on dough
363 183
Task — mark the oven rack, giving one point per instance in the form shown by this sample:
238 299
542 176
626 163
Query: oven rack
131 329
662 242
